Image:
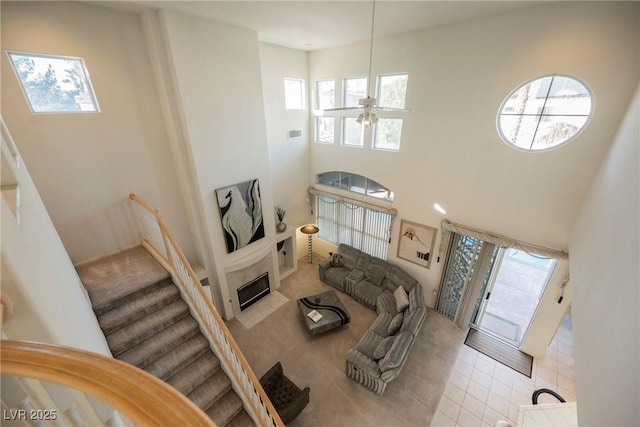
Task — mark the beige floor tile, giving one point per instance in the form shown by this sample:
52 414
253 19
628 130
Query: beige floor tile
467 419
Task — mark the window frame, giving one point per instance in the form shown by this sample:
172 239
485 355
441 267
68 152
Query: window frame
302 93
319 116
83 66
542 115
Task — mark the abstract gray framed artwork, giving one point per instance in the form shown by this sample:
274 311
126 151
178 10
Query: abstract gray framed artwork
417 242
241 214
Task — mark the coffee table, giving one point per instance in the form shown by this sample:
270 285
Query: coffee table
333 312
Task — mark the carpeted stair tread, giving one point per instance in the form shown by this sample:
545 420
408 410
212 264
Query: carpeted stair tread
210 391
178 358
194 374
241 420
225 409
118 275
135 308
162 342
137 332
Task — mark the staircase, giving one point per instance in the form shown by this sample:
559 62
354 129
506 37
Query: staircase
147 324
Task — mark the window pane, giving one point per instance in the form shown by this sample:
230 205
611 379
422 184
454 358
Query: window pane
568 96
352 132
552 133
387 134
54 84
325 129
529 99
325 94
519 130
392 90
329 178
294 94
354 90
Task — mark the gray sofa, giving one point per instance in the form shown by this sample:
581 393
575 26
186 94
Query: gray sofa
380 354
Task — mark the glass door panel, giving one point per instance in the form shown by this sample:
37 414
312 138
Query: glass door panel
512 297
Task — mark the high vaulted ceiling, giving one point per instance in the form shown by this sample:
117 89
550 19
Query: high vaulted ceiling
312 25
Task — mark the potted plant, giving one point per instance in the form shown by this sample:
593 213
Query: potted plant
280 213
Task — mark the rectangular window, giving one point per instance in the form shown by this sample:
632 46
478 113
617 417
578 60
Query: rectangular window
352 132
325 97
325 94
361 227
54 84
354 90
392 90
294 94
325 129
387 134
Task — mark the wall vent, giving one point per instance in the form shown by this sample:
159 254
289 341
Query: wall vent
296 133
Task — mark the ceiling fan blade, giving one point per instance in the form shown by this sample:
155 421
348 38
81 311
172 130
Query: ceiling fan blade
342 109
403 110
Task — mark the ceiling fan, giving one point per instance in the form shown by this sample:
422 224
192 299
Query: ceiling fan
369 104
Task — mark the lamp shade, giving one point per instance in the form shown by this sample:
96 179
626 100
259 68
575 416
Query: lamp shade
309 229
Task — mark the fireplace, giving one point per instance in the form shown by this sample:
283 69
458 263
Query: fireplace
253 291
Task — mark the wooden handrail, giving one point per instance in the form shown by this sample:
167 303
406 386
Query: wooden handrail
143 398
168 239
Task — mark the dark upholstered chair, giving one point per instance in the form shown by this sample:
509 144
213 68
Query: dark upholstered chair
286 397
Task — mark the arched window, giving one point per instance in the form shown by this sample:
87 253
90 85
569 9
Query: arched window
355 222
355 183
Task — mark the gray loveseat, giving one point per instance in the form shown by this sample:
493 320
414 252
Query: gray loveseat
380 354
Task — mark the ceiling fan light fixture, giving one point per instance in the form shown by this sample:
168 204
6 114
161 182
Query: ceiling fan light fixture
367 118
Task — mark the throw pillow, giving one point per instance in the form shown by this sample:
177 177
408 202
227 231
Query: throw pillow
337 260
382 348
402 299
395 324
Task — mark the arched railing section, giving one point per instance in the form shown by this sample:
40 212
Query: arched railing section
142 398
160 243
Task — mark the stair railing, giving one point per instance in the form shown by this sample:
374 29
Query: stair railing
160 243
133 396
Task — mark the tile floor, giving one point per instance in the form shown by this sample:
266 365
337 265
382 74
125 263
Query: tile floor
481 391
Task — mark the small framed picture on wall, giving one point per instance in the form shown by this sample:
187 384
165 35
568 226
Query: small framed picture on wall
417 242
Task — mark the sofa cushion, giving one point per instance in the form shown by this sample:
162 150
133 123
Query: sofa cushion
337 260
401 278
336 275
416 298
386 302
381 324
383 348
397 353
368 343
367 293
350 255
413 320
377 270
363 261
395 324
402 299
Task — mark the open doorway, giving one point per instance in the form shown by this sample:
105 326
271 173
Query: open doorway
512 294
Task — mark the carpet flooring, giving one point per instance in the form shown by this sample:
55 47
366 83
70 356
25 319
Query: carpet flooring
500 351
319 362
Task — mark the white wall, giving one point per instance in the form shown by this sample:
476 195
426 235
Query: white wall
85 165
288 158
216 69
605 249
49 302
450 151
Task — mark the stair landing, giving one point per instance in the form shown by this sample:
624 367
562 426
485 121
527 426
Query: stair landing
119 275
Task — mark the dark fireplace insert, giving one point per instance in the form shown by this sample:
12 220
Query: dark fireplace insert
253 291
